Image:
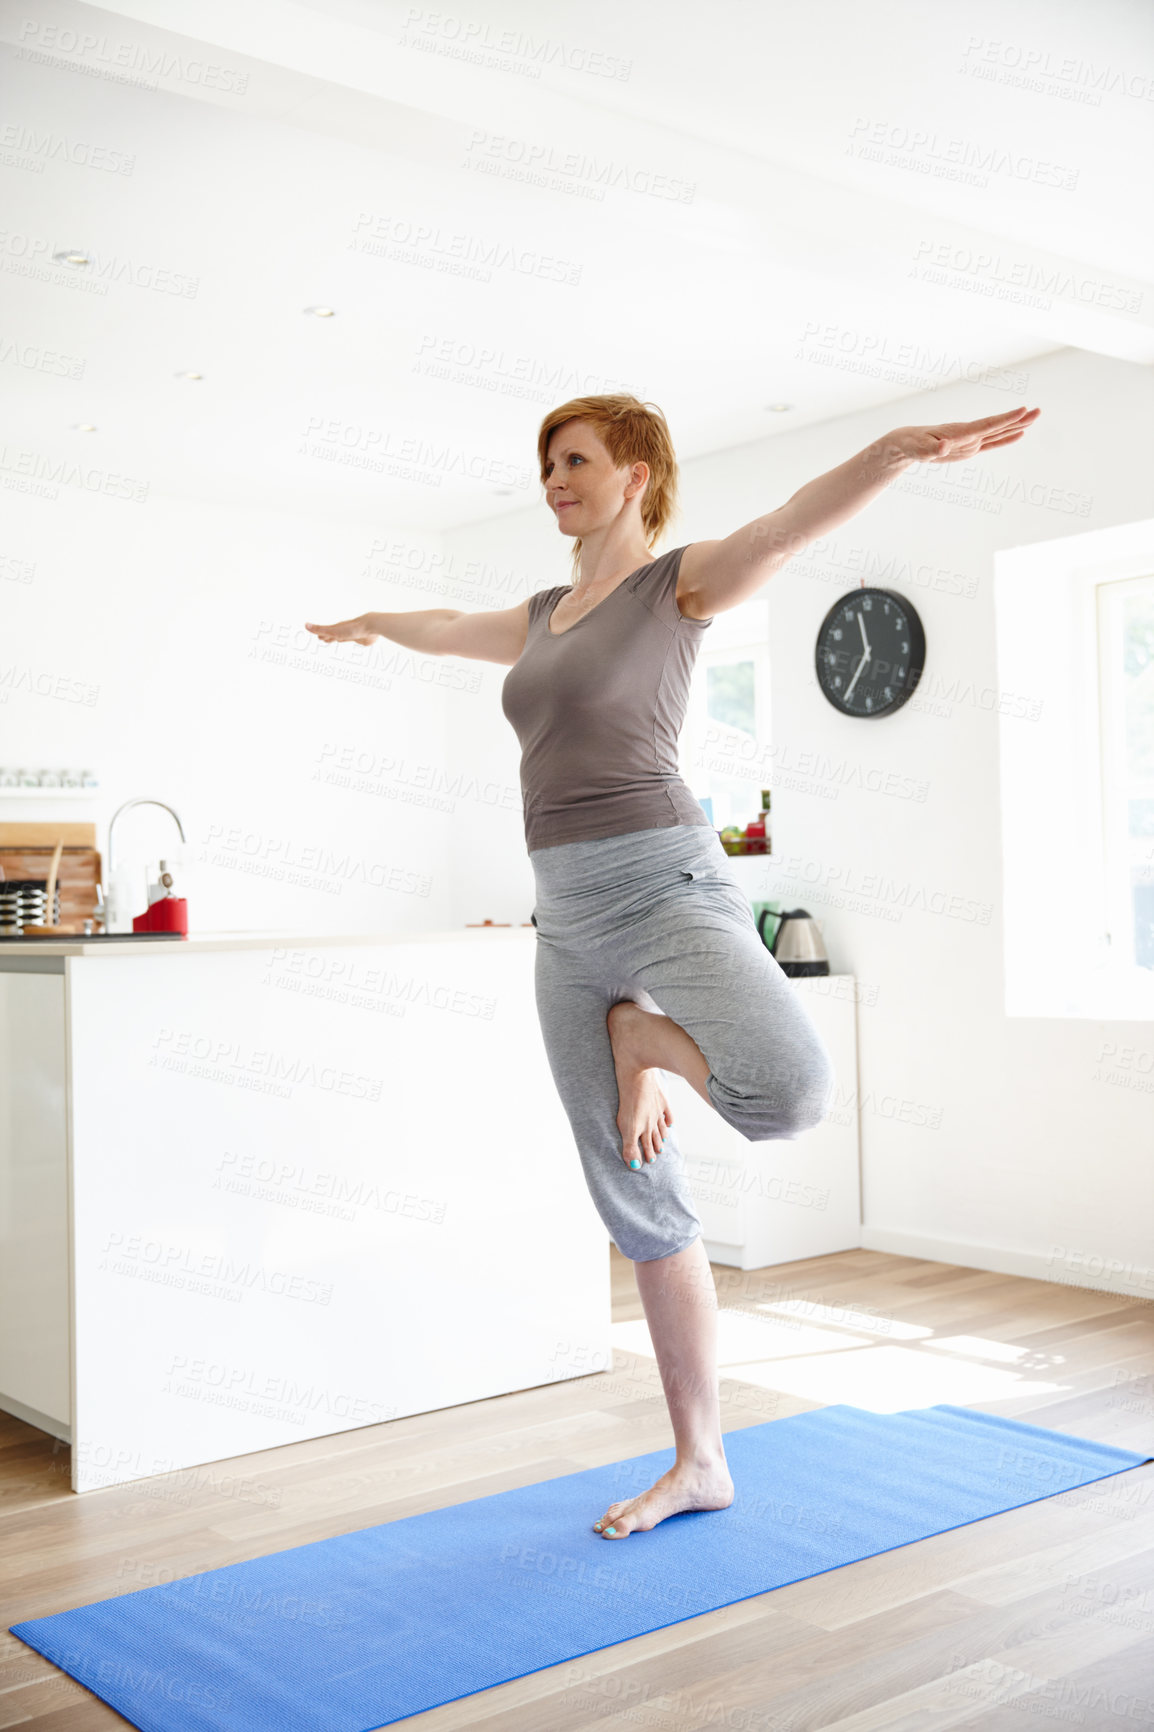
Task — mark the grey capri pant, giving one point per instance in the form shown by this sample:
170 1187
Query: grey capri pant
658 916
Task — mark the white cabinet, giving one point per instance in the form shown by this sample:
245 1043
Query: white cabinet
34 1310
257 1192
774 1202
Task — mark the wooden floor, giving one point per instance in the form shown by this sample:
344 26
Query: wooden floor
1043 1614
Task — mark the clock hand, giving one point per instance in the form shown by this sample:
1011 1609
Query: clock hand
866 654
853 682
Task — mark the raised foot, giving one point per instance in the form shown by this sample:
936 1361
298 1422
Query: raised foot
682 1488
643 1114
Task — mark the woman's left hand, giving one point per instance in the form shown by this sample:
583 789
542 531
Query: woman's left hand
953 441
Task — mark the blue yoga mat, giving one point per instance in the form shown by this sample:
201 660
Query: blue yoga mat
354 1632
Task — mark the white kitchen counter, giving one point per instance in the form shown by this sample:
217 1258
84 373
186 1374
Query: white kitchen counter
76 945
264 1187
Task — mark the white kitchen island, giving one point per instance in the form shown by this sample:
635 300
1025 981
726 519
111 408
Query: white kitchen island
261 1188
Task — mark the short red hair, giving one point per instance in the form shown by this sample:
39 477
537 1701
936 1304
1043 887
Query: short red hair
632 432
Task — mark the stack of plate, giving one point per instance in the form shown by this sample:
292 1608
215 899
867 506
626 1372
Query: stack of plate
24 902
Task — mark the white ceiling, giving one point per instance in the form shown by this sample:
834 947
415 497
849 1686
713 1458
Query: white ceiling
783 180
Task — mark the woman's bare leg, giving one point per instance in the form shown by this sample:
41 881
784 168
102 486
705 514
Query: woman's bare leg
677 1292
680 1303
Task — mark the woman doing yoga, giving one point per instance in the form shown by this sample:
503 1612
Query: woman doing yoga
647 956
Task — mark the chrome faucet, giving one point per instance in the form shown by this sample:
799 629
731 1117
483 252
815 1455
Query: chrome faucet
101 901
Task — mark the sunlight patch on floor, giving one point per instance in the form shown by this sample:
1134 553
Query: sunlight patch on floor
891 1327
888 1379
740 1336
821 1363
975 1347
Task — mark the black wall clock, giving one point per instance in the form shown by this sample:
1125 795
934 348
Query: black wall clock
870 652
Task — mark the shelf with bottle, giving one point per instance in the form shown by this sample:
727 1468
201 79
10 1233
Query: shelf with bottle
755 838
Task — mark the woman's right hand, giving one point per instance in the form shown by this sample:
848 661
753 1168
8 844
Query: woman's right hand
346 631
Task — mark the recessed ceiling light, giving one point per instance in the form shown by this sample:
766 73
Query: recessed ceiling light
778 408
320 312
72 256
188 375
83 427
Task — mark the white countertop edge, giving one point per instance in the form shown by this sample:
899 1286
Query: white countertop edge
295 941
77 945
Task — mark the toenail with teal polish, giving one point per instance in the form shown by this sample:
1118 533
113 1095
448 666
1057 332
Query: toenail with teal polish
610 1530
597 1525
635 1162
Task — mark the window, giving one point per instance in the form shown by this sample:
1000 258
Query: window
1075 658
1126 725
725 747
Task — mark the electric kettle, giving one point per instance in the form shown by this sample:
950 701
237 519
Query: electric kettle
797 944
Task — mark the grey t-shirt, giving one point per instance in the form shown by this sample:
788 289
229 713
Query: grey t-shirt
598 709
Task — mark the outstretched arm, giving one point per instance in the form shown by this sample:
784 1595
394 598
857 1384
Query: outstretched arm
492 636
716 575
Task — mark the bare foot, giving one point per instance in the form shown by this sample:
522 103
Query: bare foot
643 1113
704 1486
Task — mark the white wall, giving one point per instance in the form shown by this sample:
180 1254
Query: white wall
986 1140
1004 1143
166 639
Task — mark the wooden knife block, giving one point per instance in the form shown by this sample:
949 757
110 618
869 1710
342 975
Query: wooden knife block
26 851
